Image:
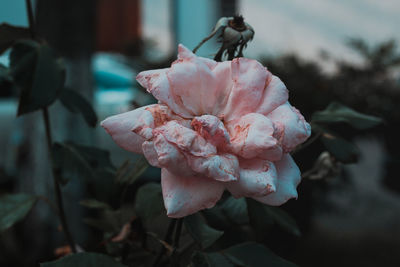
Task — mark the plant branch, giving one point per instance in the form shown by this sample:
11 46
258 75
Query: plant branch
57 189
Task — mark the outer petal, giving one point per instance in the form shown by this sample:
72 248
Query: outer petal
291 127
257 178
120 128
288 179
156 83
186 195
275 95
186 139
250 79
253 136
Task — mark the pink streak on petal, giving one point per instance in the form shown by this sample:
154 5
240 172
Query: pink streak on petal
250 80
186 139
223 167
120 128
275 95
288 179
253 136
166 155
212 129
156 83
186 195
257 178
293 129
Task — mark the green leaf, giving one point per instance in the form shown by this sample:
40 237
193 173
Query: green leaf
341 149
254 255
149 202
200 231
76 103
128 174
80 162
9 34
38 73
283 220
94 204
258 217
338 113
14 207
214 259
236 210
261 216
84 259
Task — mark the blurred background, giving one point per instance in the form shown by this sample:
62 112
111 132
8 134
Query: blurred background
324 51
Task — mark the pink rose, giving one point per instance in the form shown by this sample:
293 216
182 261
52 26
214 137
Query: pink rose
218 125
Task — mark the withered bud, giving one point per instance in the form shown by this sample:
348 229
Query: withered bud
235 33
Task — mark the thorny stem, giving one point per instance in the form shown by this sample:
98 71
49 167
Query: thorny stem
57 189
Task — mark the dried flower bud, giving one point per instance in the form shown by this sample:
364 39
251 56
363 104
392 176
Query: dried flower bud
234 37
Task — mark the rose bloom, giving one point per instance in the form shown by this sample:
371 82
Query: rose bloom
217 125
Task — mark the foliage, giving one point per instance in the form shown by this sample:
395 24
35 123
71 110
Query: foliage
124 209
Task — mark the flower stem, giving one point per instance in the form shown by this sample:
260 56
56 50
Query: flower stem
178 233
57 189
167 239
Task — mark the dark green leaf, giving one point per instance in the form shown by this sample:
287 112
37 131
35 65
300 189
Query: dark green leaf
338 113
201 259
254 255
9 34
200 231
81 162
261 216
283 220
84 259
236 210
38 73
340 148
76 103
14 207
94 204
128 174
149 202
258 217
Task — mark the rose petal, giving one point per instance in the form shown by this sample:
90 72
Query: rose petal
192 82
257 178
275 95
152 116
249 81
186 139
120 128
288 179
163 154
291 126
186 195
156 83
212 129
223 167
252 136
